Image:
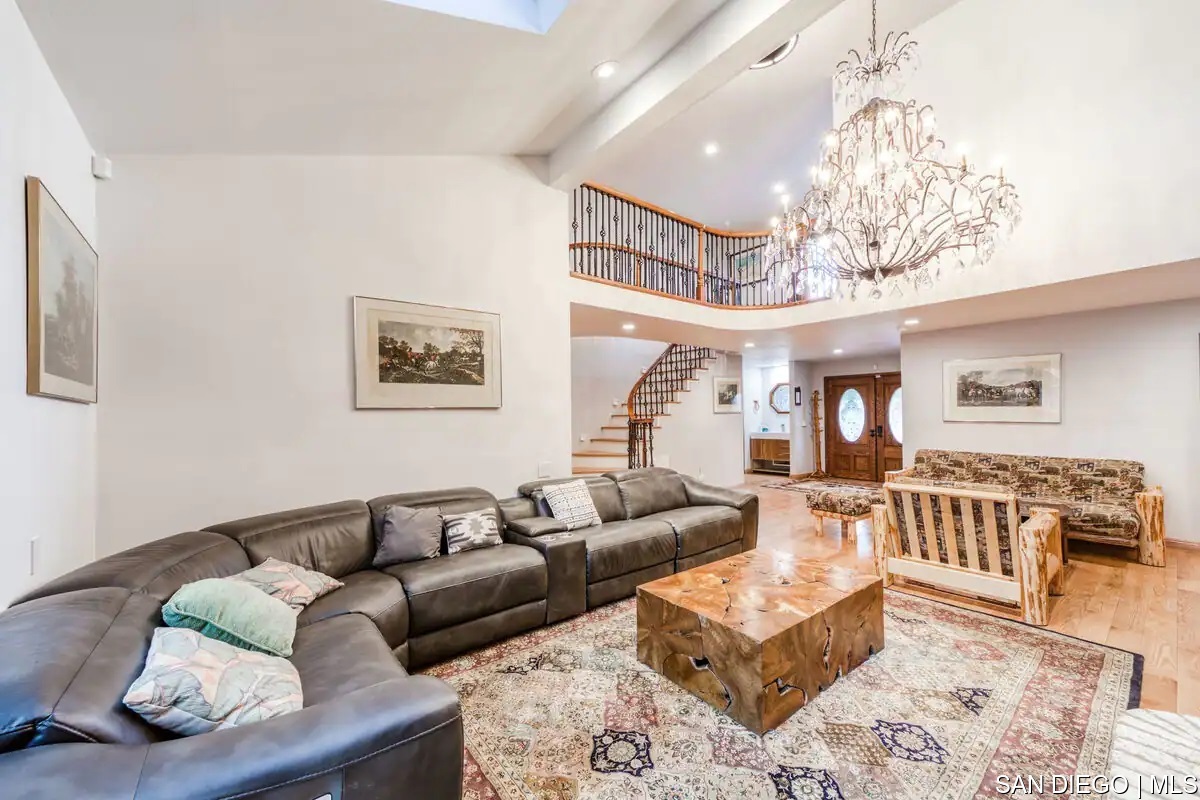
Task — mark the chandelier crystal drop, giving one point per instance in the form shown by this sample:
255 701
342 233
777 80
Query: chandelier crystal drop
885 206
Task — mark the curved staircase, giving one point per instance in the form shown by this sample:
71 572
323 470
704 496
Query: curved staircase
628 438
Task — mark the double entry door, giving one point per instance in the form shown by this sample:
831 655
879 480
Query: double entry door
864 425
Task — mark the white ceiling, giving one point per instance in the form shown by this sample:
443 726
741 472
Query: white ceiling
767 122
341 76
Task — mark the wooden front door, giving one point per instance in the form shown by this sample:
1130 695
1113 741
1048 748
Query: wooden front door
861 441
850 450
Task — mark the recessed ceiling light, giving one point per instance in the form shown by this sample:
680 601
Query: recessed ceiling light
711 149
605 69
913 321
838 352
628 326
778 54
779 188
749 344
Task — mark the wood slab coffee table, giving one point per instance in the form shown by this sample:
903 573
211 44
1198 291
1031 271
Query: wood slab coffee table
757 635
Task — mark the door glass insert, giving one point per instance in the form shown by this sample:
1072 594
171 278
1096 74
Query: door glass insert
852 415
896 416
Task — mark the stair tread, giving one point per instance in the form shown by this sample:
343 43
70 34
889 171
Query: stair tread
607 439
623 427
590 470
598 454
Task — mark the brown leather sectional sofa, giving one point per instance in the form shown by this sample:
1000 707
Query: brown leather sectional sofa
369 729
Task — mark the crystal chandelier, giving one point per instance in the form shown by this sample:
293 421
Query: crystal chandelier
884 204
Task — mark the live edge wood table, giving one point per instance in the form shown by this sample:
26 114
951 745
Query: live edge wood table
757 635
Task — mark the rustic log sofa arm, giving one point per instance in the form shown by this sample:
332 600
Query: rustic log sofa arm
1152 533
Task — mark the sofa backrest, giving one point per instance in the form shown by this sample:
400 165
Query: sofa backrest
1085 480
603 490
461 500
335 539
649 490
157 568
69 658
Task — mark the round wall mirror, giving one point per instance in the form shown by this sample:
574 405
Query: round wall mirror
780 398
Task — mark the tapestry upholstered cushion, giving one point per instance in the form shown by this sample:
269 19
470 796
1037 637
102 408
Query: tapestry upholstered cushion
851 501
471 531
408 534
1083 480
193 684
233 612
290 583
571 503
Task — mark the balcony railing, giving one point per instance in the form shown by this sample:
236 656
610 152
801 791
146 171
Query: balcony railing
619 239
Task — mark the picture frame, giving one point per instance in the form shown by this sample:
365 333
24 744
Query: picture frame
727 395
417 356
1024 389
779 398
62 276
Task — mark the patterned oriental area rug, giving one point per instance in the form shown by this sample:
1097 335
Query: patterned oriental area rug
955 699
815 485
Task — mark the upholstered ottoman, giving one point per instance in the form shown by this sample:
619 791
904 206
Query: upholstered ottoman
847 504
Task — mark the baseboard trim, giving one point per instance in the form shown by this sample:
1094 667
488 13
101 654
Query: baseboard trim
1183 544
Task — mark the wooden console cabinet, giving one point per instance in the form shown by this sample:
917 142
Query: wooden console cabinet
770 454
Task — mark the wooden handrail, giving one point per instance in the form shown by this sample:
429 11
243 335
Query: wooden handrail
641 380
620 248
700 226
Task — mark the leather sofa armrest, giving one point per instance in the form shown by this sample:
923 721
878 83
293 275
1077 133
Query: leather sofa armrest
705 494
402 732
537 526
566 567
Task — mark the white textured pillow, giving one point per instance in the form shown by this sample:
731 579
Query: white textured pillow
193 684
571 503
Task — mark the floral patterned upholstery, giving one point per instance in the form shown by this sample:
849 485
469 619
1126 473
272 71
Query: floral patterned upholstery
852 501
1097 494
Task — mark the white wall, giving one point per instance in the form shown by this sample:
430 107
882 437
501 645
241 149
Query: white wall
1131 389
48 459
603 370
698 442
228 367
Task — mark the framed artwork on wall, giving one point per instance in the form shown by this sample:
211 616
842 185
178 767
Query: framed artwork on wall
1013 389
61 275
409 355
727 395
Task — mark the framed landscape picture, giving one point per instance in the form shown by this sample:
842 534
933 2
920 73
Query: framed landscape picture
727 396
1014 389
408 355
61 275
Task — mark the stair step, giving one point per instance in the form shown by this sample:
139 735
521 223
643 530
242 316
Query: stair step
608 439
597 454
590 470
623 427
623 416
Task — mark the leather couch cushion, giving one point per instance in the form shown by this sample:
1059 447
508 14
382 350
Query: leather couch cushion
617 548
68 660
449 590
604 492
338 655
648 491
448 501
700 528
378 597
158 568
335 539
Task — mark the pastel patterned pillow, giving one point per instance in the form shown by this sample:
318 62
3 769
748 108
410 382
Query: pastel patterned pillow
471 531
571 504
290 583
193 684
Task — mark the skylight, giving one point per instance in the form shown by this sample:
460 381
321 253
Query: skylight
536 16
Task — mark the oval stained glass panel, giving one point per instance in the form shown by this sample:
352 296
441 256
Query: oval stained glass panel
896 416
852 415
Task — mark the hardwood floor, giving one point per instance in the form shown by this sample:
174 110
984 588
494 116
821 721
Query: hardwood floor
1110 598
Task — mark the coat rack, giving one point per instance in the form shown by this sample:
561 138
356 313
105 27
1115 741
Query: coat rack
818 470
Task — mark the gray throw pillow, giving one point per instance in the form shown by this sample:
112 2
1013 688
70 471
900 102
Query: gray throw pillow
471 531
408 534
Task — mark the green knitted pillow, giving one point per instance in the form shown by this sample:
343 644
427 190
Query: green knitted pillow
234 612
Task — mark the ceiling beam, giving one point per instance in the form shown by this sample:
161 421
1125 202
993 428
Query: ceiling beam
735 36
